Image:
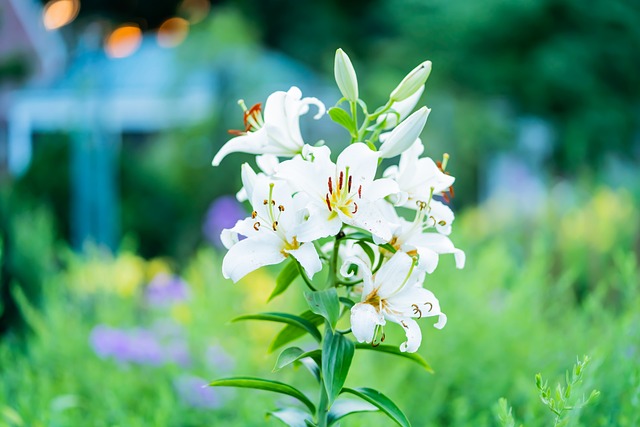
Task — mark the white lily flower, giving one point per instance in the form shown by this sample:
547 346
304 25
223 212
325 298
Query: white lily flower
394 293
404 135
339 193
270 231
414 237
419 179
267 164
278 132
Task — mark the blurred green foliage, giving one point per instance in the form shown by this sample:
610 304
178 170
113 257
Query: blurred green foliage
572 63
27 257
535 294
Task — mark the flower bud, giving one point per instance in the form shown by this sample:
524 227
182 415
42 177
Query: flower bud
345 76
400 109
405 134
412 82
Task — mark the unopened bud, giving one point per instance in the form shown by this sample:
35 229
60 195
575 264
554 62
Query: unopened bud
345 76
405 134
412 82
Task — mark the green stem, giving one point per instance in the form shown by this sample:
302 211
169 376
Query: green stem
305 277
323 407
354 115
333 264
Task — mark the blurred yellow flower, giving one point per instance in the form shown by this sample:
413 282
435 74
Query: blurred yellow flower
128 274
181 313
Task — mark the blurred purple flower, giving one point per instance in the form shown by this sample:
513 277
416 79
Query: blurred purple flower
137 346
223 213
195 392
109 342
178 353
218 360
165 290
145 348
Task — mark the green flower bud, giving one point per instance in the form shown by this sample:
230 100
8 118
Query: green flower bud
346 76
412 82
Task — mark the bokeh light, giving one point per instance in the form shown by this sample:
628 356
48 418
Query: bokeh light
195 10
172 32
58 13
123 41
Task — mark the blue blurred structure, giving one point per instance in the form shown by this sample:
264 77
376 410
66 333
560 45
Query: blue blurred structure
97 101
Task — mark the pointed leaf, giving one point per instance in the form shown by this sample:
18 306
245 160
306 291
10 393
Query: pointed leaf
367 250
291 416
313 367
343 407
293 354
391 349
342 118
337 354
287 275
367 238
326 304
293 332
262 384
382 402
290 319
346 301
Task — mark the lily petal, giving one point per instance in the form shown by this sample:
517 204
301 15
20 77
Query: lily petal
364 319
414 335
251 142
250 254
361 161
369 217
393 275
321 223
308 258
365 270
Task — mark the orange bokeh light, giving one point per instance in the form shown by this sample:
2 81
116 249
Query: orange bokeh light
123 41
58 13
172 32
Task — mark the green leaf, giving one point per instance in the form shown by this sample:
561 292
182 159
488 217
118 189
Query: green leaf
391 349
11 416
358 235
342 118
367 250
343 407
293 332
290 319
325 303
346 301
337 354
293 354
262 384
287 275
291 416
382 402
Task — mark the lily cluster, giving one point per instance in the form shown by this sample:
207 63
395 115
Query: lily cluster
378 232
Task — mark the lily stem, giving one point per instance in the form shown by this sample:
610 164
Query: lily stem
354 115
323 407
305 277
333 263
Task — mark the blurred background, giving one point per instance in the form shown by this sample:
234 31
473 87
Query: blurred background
113 310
